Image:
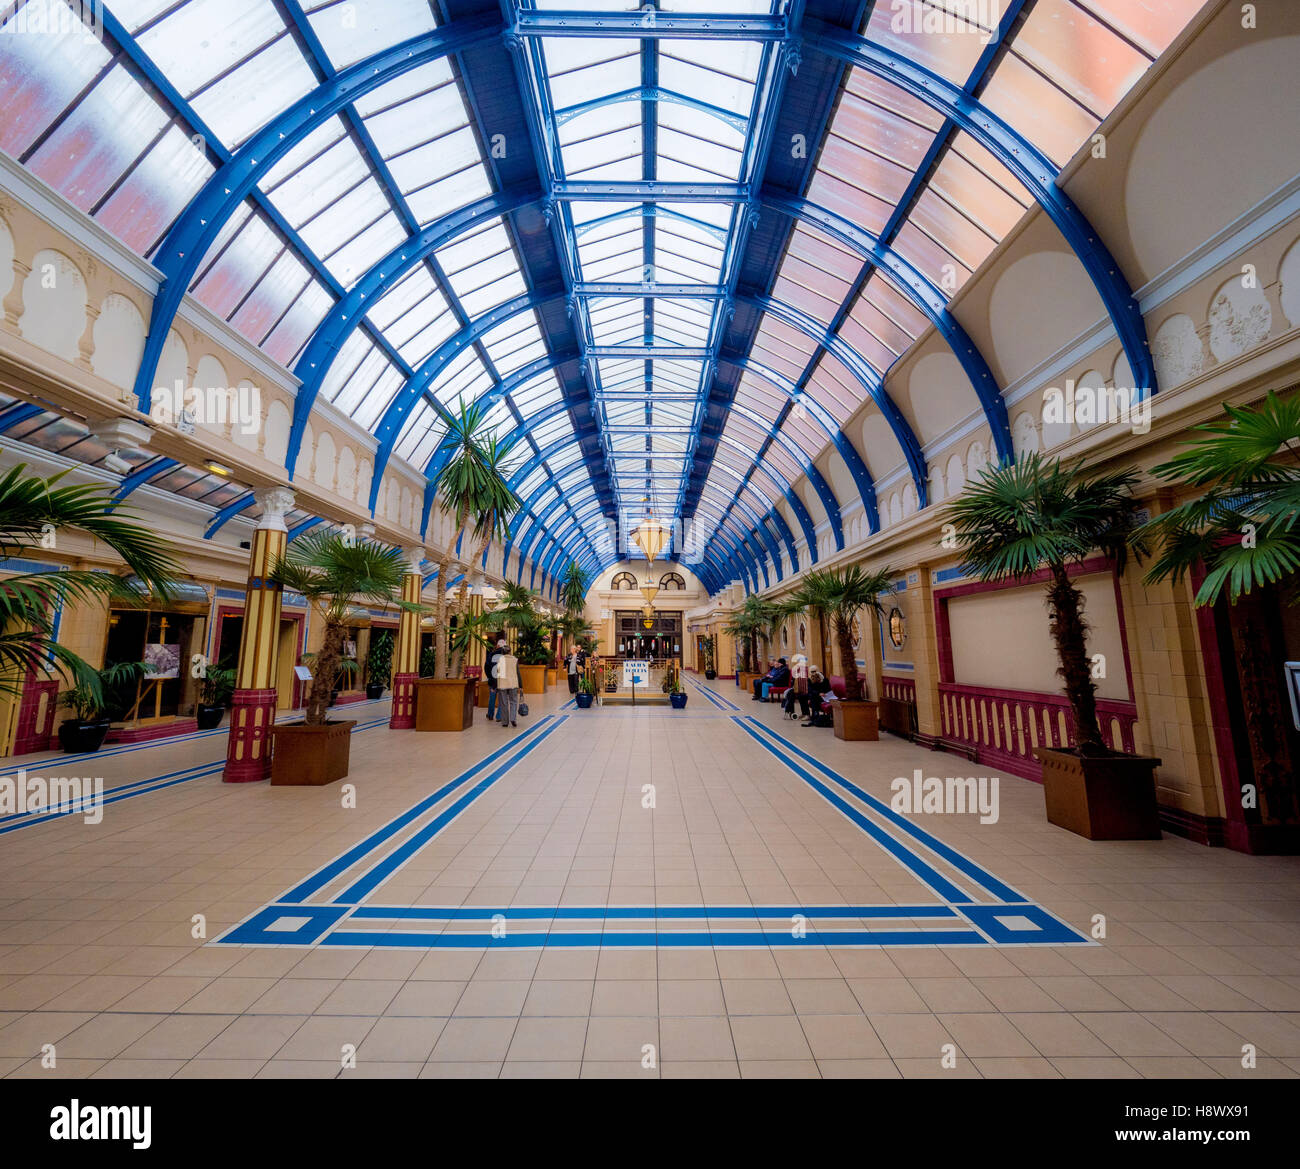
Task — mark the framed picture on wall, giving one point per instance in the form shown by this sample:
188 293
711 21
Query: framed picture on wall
1293 689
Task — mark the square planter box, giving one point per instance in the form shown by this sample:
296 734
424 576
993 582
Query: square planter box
747 681
1103 797
856 720
444 704
303 756
533 679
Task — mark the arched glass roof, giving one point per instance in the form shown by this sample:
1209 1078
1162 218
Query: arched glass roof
676 244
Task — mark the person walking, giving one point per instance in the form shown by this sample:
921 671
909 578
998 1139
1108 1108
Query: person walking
489 669
507 675
575 666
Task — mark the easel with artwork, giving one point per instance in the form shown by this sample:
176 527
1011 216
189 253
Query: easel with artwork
162 664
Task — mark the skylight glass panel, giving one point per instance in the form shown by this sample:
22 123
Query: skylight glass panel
353 31
100 138
240 102
295 328
41 75
462 377
202 39
367 412
332 176
364 251
239 267
421 424
579 68
271 297
944 42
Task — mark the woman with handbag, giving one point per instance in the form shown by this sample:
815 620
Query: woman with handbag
506 672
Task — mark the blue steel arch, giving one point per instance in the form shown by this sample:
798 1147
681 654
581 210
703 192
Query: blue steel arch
390 424
1024 160
822 488
204 217
871 381
346 314
560 444
206 214
918 289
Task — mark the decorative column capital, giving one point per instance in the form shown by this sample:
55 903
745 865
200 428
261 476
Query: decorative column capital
276 503
414 557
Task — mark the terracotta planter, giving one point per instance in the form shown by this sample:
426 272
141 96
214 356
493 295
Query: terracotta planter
303 756
533 679
747 681
1105 797
551 676
482 693
444 704
856 720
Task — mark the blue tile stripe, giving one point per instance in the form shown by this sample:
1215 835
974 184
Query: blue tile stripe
126 791
957 860
927 874
717 699
739 939
39 763
364 886
341 864
955 920
658 912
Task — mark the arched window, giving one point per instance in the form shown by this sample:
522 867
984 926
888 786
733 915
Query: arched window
625 582
672 580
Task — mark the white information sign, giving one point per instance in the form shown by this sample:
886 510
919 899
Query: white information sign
636 673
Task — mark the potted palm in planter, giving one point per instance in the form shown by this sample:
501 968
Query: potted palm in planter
334 573
1240 530
754 619
1035 519
379 663
586 692
837 596
533 654
89 724
473 486
710 647
33 510
672 686
215 689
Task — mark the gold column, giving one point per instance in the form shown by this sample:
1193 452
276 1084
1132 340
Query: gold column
252 707
406 651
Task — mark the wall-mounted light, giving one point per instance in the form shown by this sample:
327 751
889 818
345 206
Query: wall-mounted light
218 468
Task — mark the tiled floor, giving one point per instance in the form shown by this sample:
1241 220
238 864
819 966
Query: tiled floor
100 965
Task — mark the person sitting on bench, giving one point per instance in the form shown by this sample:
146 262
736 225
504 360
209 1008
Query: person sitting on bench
778 675
811 704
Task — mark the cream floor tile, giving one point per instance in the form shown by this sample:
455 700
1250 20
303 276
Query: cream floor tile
780 1069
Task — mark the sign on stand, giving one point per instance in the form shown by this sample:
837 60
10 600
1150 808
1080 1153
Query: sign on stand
636 673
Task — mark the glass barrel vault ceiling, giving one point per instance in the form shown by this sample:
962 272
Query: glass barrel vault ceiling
128 125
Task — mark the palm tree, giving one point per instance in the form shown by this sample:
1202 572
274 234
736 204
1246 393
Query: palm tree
573 589
1036 515
837 596
1243 529
335 572
32 513
473 486
754 619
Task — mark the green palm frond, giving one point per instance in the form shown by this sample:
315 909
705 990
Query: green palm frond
31 506
1035 513
474 481
1245 528
335 572
573 588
